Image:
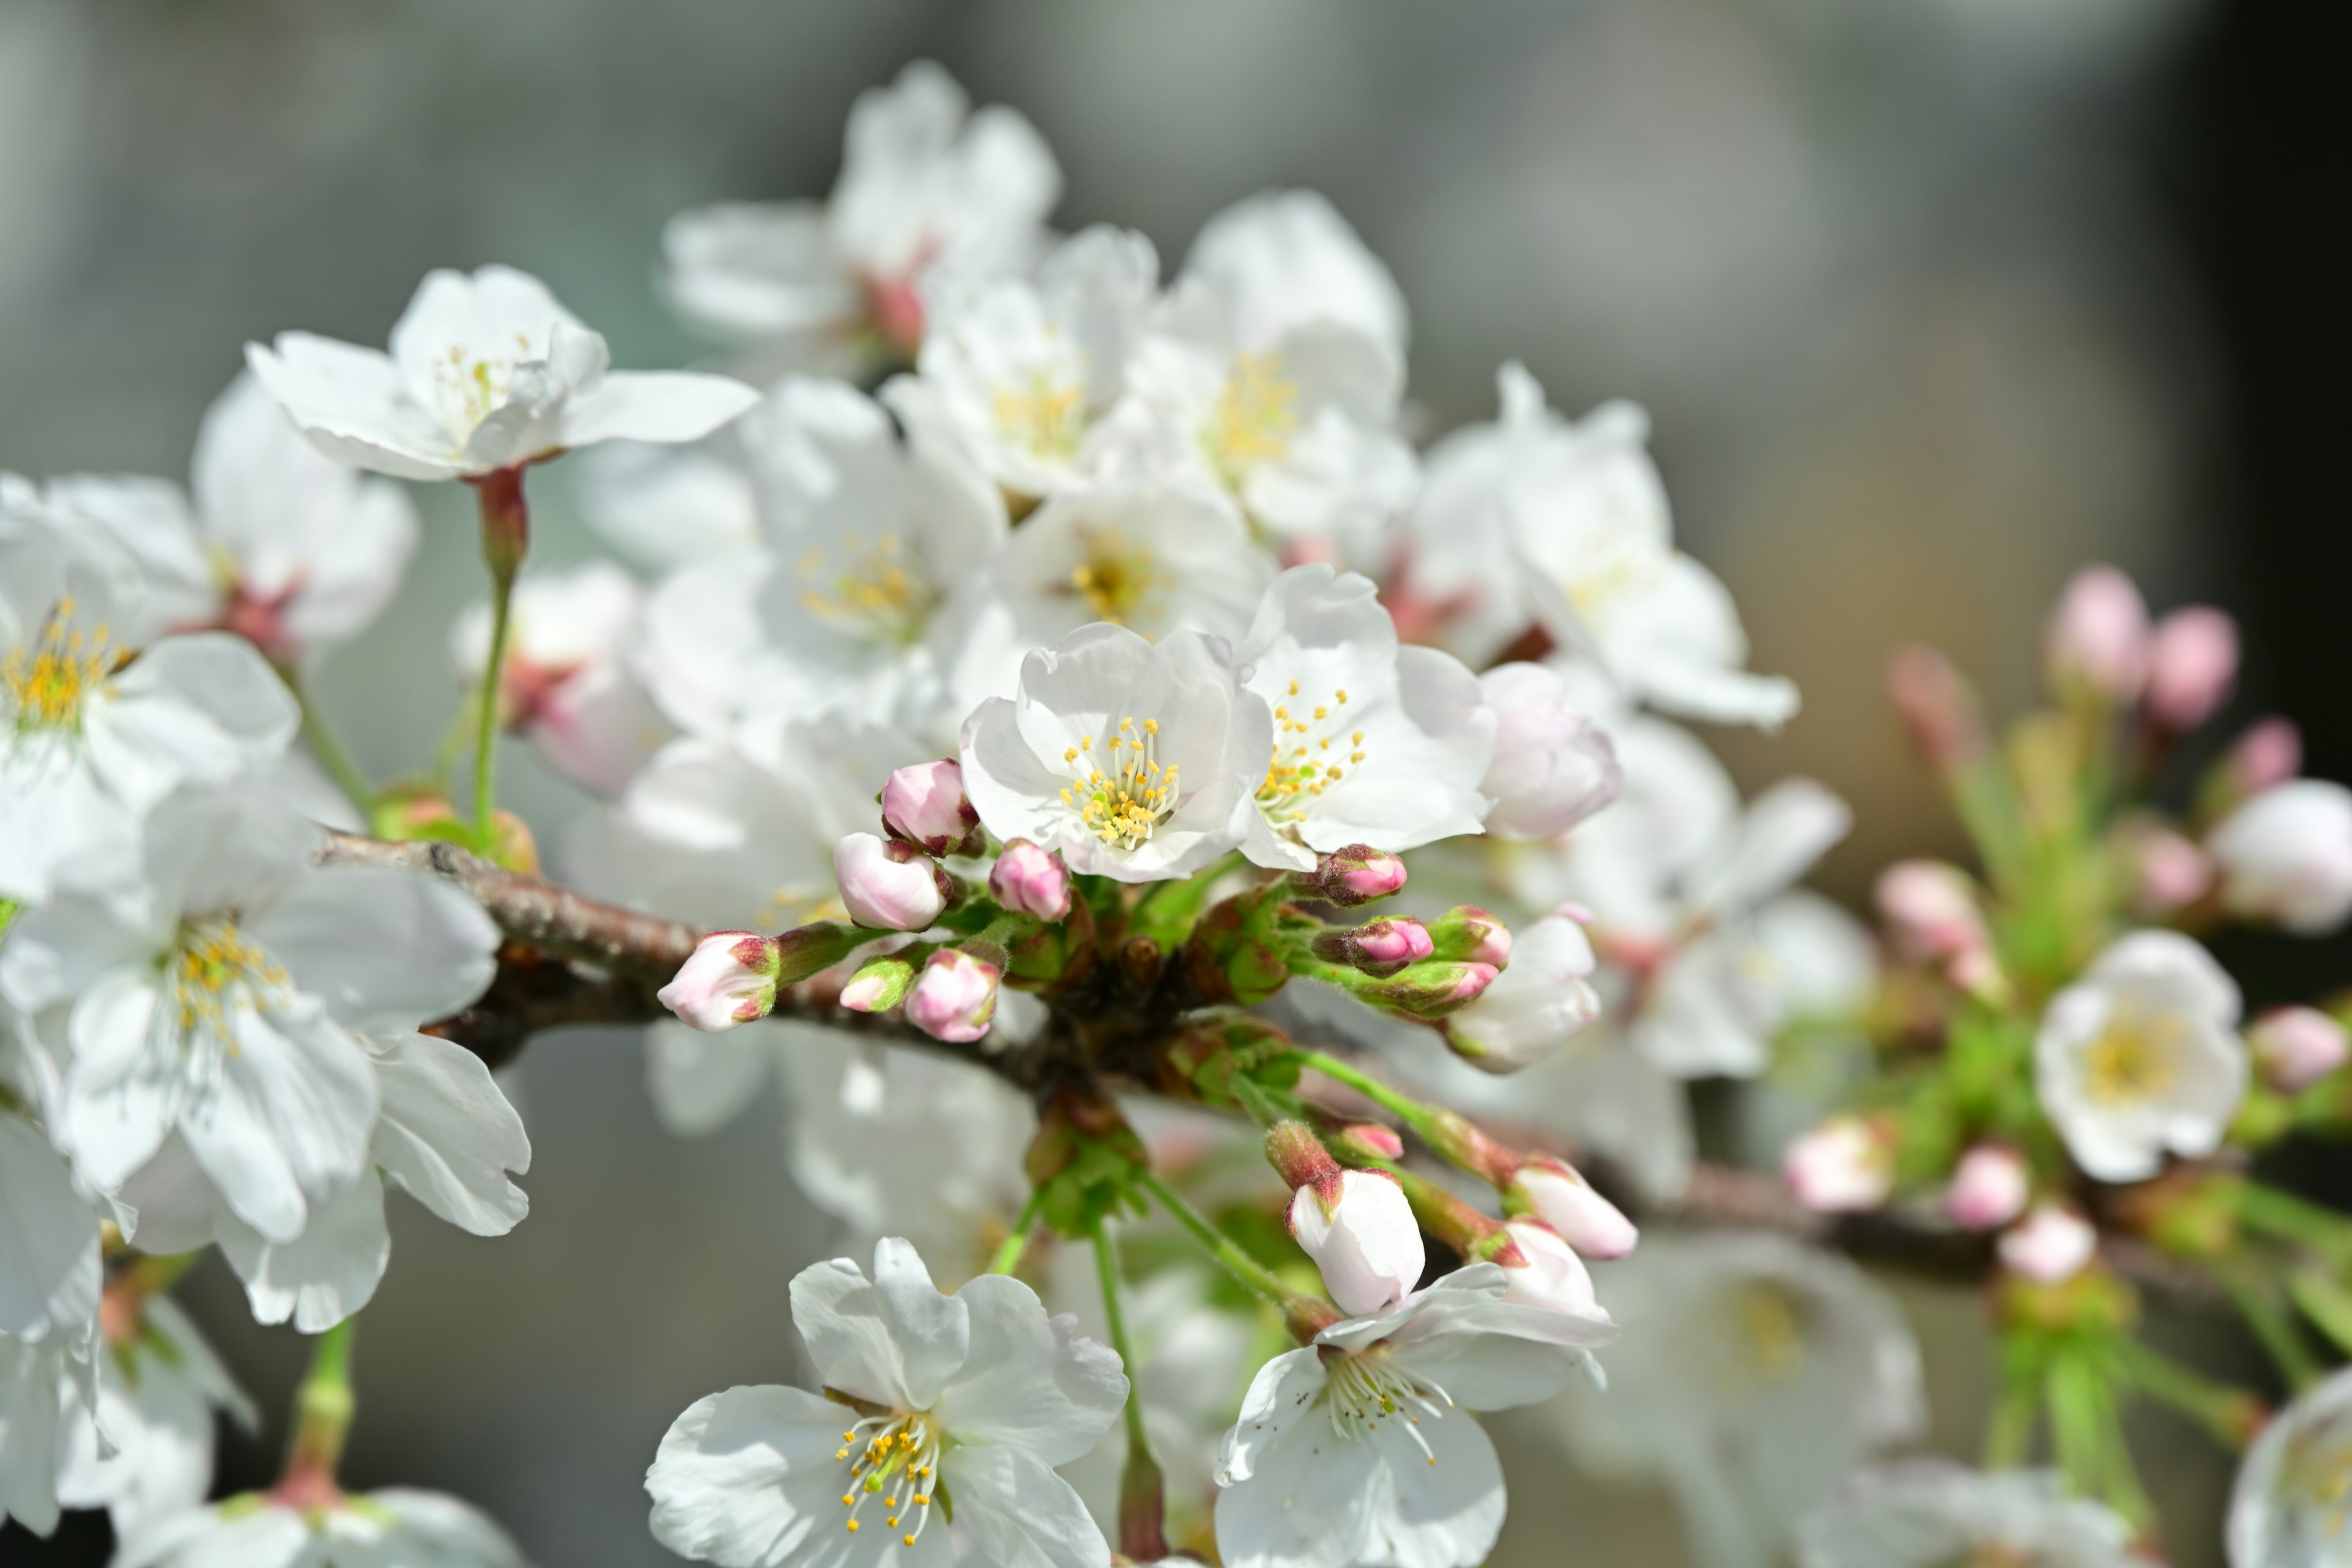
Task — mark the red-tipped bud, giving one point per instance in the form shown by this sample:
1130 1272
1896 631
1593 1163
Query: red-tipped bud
1355 875
1298 1156
1030 879
730 979
1370 1140
1363 1237
924 803
1466 932
1380 949
955 999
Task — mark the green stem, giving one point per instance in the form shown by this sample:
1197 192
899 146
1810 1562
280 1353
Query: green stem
1413 1113
1008 1257
1260 1280
324 1408
2008 1435
323 744
506 539
2228 1413
1453 1137
2284 1214
2278 1333
1142 1494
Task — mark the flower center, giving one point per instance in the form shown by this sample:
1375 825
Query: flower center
1312 749
2132 1059
466 389
1360 1392
1120 581
893 1458
878 593
1043 415
2316 1471
1121 807
48 681
215 970
1256 417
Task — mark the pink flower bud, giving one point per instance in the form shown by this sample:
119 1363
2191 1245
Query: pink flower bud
1562 1198
1030 879
2285 856
1988 1189
955 998
1363 1237
1930 910
1842 1166
889 885
2297 1046
1371 1140
1380 949
2173 874
1355 875
2052 1247
730 979
924 803
1535 1006
1467 931
2192 663
879 984
1553 767
2096 641
2269 753
1548 1273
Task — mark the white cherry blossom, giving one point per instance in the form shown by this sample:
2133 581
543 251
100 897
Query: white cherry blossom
274 541
97 724
931 197
158 1391
974 1397
1373 743
49 1232
1281 259
2285 856
2141 1058
37 1378
2287 1508
230 1013
368 1530
1135 760
1360 1448
486 372
1930 1513
1148 557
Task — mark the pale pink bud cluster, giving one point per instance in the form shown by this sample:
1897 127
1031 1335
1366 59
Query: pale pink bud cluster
2297 1046
1931 915
1354 875
1557 1194
2285 856
730 979
2173 873
2096 641
1537 1005
1553 767
1989 1188
1360 1232
1845 1166
888 884
2053 1245
1380 949
2192 664
954 998
1030 880
2269 753
924 803
1546 1272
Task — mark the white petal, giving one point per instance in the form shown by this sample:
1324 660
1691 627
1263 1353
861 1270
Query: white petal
655 405
48 1237
351 404
1031 1382
286 1121
1021 1514
120 1093
384 950
894 1341
327 1272
447 1135
203 707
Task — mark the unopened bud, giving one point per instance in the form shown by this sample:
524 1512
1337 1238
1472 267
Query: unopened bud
1363 1239
1430 990
1370 1140
1467 931
879 984
1548 1273
1989 1188
1030 880
1537 1005
1930 910
2192 663
1937 708
2297 1046
1556 1192
924 803
1380 949
2053 1246
2096 641
1355 875
1298 1156
955 997
2270 753
888 884
2285 856
2173 873
1843 1166
730 979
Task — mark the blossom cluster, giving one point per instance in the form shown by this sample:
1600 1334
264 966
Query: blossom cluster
1027 667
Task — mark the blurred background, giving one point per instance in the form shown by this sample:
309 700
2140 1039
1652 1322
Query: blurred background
1931 300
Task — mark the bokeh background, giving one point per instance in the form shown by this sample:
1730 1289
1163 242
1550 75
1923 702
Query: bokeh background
1932 300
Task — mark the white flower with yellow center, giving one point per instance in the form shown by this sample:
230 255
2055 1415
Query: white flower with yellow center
932 198
1373 743
1731 1343
1152 558
1360 1448
1020 373
1136 760
2292 1507
97 723
485 371
226 1021
2141 1057
1933 1513
934 1407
